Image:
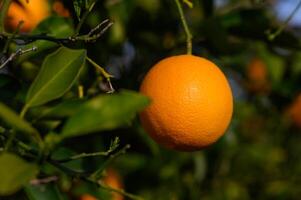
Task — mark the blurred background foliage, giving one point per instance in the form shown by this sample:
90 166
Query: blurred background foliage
259 156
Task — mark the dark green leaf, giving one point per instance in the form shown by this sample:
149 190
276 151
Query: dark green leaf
78 6
13 120
59 71
64 109
43 192
105 112
14 173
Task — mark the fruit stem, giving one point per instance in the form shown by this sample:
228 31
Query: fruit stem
105 74
186 29
3 11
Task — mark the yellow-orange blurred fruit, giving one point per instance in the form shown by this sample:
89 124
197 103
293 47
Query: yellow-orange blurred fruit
191 105
257 76
59 8
113 180
294 111
87 197
32 13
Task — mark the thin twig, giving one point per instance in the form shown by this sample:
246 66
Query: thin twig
17 53
185 26
119 191
83 155
92 36
113 146
98 173
98 26
105 74
83 19
71 172
44 180
272 36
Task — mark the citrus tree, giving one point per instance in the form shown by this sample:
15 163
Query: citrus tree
220 112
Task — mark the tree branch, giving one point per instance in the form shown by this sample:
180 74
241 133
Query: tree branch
16 54
92 36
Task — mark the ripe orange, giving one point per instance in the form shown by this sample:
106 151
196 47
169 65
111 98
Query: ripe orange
87 197
257 76
294 111
113 180
32 13
59 8
191 105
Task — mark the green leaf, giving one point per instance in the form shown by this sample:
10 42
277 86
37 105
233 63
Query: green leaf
105 112
13 120
14 173
43 192
65 109
58 73
78 6
188 3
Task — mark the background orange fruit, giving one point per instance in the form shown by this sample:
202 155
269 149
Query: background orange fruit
60 9
111 179
32 13
191 105
87 197
294 111
257 76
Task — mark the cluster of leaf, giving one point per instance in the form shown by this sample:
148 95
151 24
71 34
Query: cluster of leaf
258 158
39 112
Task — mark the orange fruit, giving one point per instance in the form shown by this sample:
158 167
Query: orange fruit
87 197
59 8
257 76
113 180
31 12
191 105
294 111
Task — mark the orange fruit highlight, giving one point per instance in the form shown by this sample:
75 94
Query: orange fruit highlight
191 105
257 76
113 180
294 111
60 9
32 13
87 197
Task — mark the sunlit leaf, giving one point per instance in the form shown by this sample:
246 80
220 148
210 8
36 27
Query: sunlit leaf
12 119
105 112
59 71
14 173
